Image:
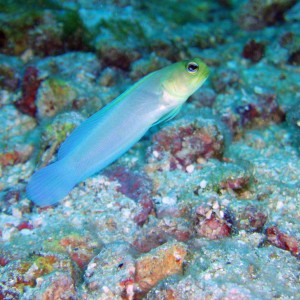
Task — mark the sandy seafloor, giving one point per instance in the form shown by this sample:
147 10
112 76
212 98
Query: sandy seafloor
205 206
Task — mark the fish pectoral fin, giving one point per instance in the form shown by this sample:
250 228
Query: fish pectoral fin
167 117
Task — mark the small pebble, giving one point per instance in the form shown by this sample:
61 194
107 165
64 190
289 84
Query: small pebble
190 168
203 184
155 154
168 200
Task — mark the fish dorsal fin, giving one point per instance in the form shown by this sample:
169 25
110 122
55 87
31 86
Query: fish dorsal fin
170 115
84 129
78 134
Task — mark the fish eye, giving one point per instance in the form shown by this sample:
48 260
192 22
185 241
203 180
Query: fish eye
192 67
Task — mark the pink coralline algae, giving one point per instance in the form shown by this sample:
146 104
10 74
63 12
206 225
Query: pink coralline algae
25 225
236 184
211 223
16 156
264 110
30 85
255 14
18 274
250 110
254 51
80 249
135 185
150 240
147 208
186 142
60 285
251 219
3 260
9 159
282 240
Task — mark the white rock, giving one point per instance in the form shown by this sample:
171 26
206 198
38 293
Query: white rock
190 168
203 184
168 200
155 154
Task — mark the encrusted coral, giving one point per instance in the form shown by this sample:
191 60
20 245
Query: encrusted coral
212 222
53 96
56 132
254 51
19 274
186 142
282 240
149 269
44 31
249 110
256 14
30 85
137 186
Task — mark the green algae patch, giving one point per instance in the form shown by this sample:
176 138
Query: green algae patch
13 32
45 264
58 134
121 29
54 95
45 27
177 12
55 133
80 249
74 32
17 5
24 273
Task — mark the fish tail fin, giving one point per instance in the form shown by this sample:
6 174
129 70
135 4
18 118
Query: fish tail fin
51 184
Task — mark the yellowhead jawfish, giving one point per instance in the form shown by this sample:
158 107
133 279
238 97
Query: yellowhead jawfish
110 132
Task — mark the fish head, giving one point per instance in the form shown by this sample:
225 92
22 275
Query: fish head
182 79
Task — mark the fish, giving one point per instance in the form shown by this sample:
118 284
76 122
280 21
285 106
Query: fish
109 133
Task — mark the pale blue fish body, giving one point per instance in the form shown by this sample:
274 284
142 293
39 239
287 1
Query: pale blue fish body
110 132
